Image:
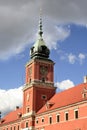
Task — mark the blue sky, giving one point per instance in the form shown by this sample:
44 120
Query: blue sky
75 45
65 33
13 69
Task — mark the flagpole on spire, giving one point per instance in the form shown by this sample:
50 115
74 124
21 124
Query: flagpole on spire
39 49
40 24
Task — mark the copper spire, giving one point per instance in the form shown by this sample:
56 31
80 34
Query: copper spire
40 32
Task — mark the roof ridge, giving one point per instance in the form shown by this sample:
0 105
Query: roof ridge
70 88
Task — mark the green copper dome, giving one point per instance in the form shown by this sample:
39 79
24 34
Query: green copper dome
39 49
38 44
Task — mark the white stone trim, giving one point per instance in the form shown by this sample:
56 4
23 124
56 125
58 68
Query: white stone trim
29 114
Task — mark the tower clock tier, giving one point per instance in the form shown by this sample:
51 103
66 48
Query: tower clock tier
39 70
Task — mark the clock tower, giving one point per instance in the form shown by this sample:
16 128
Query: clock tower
39 84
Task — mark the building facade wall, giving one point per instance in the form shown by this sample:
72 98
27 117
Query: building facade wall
43 122
73 122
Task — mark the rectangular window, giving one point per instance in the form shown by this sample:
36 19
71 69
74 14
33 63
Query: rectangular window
14 128
11 128
27 109
66 116
50 120
36 121
42 119
58 118
26 124
76 114
18 127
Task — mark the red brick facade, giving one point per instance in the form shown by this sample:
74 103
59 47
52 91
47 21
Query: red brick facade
43 109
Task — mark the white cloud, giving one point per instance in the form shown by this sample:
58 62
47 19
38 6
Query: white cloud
19 20
76 58
60 33
71 58
66 84
81 57
9 99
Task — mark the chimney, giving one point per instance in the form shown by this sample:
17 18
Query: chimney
85 79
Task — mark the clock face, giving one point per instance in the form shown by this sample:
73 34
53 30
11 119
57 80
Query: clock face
43 70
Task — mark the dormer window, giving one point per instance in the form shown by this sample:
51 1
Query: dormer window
49 104
43 48
2 120
19 114
32 49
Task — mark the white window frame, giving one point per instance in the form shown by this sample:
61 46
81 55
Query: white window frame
65 116
37 121
59 118
75 114
51 120
42 119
